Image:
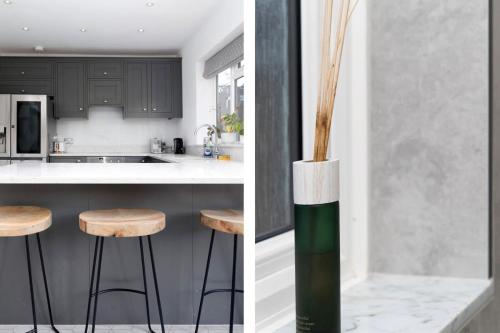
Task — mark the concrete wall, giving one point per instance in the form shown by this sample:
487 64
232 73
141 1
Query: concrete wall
428 137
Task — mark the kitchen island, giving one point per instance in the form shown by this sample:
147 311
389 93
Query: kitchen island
180 188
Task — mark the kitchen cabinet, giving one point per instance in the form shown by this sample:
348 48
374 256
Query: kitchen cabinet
105 92
105 69
145 87
26 69
29 87
70 92
136 89
68 159
154 89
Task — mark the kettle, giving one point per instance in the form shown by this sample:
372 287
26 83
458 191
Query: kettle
179 146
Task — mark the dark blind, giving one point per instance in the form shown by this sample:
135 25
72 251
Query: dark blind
278 107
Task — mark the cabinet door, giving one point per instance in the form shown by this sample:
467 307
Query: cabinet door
105 92
25 69
136 89
70 92
166 89
34 87
105 69
161 90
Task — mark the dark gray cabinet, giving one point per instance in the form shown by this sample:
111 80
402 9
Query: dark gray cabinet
145 87
25 69
154 89
105 92
30 87
68 159
136 89
70 92
105 69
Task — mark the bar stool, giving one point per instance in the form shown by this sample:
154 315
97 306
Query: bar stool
122 223
230 222
18 221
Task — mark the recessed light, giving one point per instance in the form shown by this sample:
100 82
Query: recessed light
26 28
83 30
140 30
150 4
7 2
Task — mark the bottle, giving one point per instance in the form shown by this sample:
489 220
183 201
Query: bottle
207 149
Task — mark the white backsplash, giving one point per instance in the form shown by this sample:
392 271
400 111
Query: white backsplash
107 131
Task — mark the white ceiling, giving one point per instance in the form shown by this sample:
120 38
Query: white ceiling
112 25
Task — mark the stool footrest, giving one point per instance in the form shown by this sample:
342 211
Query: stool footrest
105 291
213 291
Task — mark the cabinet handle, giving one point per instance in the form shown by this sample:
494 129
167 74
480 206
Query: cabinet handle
145 109
22 91
81 109
105 73
22 73
105 101
154 109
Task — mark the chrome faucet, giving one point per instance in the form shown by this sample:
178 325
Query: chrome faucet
214 132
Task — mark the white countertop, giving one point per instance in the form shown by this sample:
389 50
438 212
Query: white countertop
410 304
185 169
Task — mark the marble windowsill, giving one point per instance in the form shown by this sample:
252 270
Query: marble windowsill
410 304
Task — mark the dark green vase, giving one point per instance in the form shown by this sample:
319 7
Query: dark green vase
317 247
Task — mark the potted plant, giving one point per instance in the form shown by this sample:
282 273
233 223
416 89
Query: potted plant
232 128
316 196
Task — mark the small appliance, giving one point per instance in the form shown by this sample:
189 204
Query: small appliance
179 146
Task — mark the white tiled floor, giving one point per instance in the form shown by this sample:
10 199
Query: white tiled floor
122 329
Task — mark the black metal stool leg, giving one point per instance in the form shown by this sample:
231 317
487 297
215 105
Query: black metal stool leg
91 283
47 296
28 257
97 284
235 250
156 284
205 280
145 284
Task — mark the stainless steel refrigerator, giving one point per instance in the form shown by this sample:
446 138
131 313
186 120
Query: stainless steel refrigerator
26 124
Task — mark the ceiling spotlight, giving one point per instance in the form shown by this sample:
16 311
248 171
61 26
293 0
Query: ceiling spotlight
83 30
39 49
26 28
150 4
7 2
140 30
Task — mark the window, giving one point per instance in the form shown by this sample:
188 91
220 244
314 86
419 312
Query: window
230 92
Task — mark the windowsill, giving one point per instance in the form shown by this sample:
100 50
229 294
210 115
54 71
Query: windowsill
388 303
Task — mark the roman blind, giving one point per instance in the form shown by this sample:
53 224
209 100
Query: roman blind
230 54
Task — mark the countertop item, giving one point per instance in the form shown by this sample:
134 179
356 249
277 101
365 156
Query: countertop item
411 304
184 169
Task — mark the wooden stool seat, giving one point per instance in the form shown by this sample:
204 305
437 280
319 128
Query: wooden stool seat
23 220
122 222
228 220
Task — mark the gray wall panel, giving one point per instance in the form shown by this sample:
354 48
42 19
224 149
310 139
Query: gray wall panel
180 262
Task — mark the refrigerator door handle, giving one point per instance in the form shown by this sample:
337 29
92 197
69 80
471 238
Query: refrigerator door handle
3 135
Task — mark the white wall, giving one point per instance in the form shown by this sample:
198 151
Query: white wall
348 141
107 131
199 102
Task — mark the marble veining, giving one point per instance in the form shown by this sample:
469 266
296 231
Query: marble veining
410 304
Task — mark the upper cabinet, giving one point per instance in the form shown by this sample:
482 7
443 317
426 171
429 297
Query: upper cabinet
154 88
136 89
70 92
144 87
